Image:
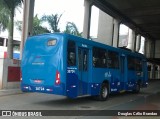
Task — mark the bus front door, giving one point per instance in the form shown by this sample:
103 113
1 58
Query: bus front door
83 59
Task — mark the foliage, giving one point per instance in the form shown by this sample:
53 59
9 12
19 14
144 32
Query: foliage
37 26
71 28
53 21
4 18
7 10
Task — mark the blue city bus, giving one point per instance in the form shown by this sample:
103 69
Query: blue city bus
72 66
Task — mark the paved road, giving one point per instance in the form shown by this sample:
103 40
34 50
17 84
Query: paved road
147 99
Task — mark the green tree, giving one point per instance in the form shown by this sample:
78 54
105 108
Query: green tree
4 18
53 21
37 26
8 20
71 28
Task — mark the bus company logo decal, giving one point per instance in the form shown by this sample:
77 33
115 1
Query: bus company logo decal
38 63
107 74
72 68
71 71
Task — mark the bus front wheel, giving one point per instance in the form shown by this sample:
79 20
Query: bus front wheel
104 92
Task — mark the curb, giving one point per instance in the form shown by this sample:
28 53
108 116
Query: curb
7 92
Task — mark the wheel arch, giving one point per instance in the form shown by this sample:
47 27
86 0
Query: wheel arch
107 83
139 81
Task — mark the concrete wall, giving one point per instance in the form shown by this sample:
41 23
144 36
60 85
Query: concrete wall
157 49
28 13
149 48
116 33
138 42
4 63
87 18
1 72
131 40
105 28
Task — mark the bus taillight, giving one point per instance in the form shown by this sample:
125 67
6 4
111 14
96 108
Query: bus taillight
57 78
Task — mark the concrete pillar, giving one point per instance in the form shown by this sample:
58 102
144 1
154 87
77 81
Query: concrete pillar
116 33
5 42
105 28
157 49
131 40
152 49
149 48
142 45
28 12
87 18
1 72
158 71
149 70
138 42
153 71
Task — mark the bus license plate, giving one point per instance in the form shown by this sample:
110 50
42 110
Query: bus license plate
40 88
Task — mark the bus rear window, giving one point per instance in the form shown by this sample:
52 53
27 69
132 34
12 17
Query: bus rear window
51 42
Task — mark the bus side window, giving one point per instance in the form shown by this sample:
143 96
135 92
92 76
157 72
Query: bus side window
131 63
99 58
138 64
105 57
85 58
71 53
113 60
71 59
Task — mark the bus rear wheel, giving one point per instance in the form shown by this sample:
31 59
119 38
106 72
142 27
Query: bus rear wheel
104 92
137 90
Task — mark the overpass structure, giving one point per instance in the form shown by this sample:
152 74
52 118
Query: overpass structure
142 17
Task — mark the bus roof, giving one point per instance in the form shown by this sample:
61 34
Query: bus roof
92 43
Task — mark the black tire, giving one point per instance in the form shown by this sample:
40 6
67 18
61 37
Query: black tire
104 92
138 87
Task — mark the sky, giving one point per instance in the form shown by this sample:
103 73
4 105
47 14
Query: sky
72 10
